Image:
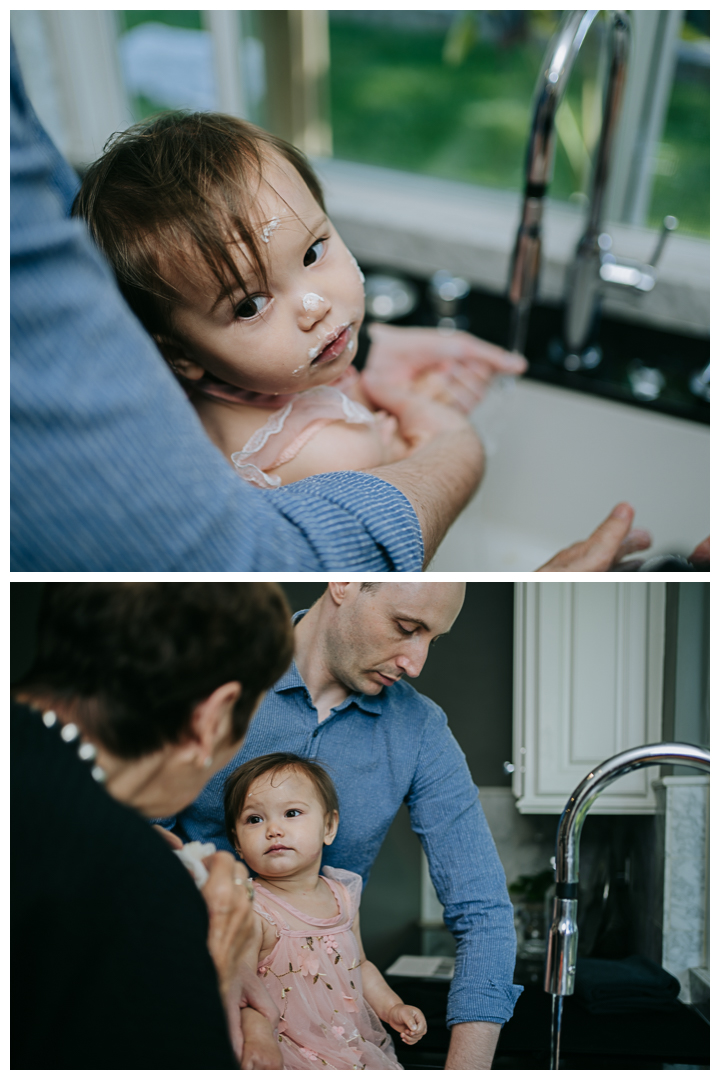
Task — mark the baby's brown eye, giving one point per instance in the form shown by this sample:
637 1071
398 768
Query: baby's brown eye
314 253
250 307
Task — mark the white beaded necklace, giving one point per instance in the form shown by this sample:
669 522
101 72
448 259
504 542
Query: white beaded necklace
70 733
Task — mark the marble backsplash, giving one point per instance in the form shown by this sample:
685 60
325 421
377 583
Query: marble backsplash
680 912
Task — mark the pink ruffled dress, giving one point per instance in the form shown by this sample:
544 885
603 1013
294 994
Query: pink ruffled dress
313 976
296 419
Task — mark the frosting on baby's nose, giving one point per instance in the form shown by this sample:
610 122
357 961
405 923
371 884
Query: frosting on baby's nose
311 301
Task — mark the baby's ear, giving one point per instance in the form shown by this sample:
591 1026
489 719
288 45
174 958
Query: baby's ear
177 359
331 827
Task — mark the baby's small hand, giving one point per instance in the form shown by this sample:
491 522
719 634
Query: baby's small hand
409 1021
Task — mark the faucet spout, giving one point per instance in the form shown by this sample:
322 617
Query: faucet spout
563 937
549 91
562 942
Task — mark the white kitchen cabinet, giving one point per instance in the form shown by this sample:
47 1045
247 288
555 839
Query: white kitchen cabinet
588 684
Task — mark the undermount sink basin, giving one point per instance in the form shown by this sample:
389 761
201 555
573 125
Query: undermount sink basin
559 460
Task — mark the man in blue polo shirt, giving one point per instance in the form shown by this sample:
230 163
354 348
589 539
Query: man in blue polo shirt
344 701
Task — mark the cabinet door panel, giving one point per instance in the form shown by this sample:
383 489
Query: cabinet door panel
588 674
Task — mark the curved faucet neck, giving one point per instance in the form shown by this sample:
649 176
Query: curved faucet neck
584 795
549 92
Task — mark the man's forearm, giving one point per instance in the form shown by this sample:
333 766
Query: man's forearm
472 1046
439 479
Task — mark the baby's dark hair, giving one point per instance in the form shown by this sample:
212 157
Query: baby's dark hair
175 186
238 784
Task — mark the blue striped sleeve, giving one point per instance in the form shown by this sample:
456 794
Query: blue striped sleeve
111 469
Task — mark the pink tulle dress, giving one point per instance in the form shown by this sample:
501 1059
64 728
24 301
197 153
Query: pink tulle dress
295 419
313 976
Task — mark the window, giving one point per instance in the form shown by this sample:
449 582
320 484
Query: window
440 93
682 157
448 94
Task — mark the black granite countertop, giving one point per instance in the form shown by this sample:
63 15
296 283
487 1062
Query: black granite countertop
647 1040
623 348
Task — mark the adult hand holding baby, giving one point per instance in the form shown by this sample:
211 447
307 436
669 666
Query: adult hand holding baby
227 894
445 465
455 368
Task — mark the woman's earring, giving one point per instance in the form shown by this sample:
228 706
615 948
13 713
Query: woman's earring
207 762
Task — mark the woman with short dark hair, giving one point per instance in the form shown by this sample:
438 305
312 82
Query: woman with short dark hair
138 693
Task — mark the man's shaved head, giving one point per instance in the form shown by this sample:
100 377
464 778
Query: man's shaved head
378 632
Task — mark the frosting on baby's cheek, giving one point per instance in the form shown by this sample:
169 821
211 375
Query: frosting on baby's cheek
311 301
360 274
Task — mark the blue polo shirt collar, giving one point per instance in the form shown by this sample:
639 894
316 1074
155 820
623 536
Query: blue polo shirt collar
293 680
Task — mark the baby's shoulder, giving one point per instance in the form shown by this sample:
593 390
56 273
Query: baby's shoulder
351 882
340 446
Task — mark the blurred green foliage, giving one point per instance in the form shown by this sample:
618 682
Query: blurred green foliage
682 182
454 103
144 107
188 20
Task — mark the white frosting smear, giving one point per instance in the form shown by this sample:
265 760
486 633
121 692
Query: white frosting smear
312 353
270 228
359 271
311 301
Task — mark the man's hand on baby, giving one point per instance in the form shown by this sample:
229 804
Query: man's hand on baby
454 368
408 1021
419 419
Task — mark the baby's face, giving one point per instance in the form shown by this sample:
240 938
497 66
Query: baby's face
298 333
283 825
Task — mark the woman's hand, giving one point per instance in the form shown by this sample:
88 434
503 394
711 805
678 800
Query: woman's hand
230 909
169 837
453 367
261 1050
610 542
409 1021
232 934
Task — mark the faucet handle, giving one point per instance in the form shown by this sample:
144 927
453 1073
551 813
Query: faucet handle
669 225
445 291
627 273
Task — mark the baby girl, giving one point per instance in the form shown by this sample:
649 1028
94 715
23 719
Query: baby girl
280 812
221 244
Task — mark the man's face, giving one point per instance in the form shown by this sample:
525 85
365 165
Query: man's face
384 633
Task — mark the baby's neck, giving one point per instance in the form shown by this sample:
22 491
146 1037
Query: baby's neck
229 425
307 893
299 883
217 390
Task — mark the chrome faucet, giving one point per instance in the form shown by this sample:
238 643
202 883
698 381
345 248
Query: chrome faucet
563 937
550 88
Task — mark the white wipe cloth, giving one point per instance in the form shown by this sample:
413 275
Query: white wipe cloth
191 856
